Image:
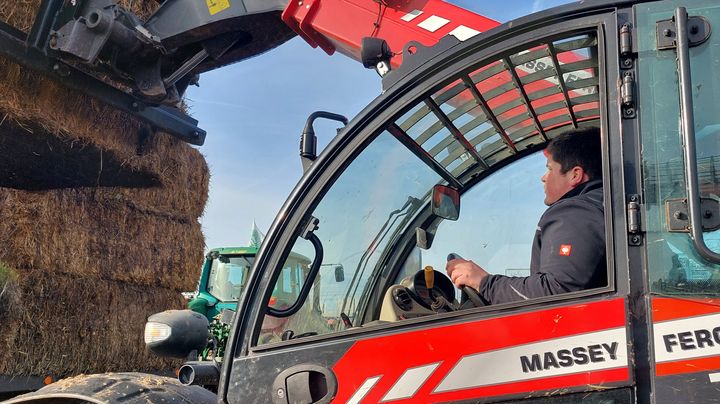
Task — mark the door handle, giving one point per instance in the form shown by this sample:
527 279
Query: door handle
305 384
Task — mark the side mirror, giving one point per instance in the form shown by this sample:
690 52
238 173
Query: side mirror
446 202
339 273
176 333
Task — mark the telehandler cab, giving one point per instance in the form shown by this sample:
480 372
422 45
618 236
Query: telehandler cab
465 122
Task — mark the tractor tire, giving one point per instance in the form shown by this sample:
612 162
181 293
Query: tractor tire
110 388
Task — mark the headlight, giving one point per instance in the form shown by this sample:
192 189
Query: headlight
156 332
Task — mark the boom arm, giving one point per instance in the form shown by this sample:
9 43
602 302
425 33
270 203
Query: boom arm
106 51
341 24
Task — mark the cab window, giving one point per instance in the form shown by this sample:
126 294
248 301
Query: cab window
498 218
480 132
674 263
227 277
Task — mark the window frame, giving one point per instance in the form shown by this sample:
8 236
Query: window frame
349 144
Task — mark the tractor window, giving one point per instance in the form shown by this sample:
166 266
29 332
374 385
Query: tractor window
675 265
228 276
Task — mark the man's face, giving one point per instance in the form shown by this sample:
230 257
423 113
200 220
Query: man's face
555 183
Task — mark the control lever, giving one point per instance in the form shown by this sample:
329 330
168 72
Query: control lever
468 293
429 279
438 302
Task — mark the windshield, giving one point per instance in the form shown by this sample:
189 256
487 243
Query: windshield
228 275
480 118
357 220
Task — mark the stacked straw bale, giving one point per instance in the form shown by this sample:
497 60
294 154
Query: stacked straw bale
98 224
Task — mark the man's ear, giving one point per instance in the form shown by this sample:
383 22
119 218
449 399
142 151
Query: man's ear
578 176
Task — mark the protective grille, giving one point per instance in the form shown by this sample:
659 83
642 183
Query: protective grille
505 106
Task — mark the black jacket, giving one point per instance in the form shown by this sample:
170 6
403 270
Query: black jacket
568 251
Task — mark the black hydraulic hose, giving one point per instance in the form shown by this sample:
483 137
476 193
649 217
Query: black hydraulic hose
314 269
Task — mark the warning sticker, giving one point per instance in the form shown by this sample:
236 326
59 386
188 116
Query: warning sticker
216 6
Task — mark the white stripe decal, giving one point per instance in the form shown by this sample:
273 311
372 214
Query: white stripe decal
693 337
562 356
714 377
463 33
363 390
409 383
433 23
411 15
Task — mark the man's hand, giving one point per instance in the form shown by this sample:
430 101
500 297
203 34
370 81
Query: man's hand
465 273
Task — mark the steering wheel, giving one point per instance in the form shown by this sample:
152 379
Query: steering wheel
468 293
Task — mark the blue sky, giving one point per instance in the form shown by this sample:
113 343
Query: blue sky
255 110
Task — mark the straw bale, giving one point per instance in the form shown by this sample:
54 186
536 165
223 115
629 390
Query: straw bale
170 176
38 105
68 325
71 231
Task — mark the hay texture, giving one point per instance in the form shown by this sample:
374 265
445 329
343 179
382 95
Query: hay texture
69 325
98 224
72 231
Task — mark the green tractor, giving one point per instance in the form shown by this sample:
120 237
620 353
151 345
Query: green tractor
223 278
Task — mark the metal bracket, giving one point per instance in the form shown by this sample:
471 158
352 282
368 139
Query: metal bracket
635 220
627 95
677 216
14 46
699 30
625 43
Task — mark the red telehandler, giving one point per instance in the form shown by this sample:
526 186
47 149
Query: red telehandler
463 119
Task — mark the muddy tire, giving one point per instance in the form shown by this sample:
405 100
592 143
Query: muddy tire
118 388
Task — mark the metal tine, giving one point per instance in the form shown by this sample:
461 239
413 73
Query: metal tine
522 58
545 92
583 83
579 65
584 99
522 133
499 90
443 97
554 106
575 44
588 113
503 108
429 133
487 73
556 120
539 75
413 119
514 120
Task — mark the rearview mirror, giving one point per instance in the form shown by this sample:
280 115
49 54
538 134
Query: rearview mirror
446 202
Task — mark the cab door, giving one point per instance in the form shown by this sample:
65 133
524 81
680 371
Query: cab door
679 90
475 117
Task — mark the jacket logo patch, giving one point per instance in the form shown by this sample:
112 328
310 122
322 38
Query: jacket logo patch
565 249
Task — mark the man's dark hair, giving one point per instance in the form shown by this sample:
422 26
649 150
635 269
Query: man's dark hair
578 147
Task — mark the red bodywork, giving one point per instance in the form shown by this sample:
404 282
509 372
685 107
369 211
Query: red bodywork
341 24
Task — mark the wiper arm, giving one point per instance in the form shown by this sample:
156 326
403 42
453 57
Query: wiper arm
410 205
